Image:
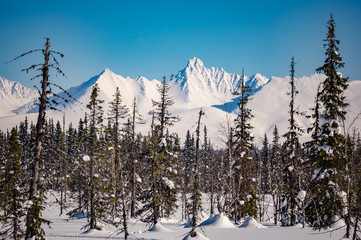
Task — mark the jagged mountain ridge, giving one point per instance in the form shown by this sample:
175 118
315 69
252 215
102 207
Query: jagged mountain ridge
196 86
193 86
14 95
203 86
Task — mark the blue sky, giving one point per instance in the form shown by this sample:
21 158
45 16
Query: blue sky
156 38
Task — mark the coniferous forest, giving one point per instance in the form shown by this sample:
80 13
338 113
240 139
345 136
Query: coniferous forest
108 172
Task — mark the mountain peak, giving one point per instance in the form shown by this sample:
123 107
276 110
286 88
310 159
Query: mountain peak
195 63
106 70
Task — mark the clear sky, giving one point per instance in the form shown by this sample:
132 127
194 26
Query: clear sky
156 38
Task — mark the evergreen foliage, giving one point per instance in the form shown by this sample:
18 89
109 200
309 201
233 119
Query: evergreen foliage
292 161
110 174
12 188
329 156
242 163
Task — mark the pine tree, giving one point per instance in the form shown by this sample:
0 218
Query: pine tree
264 174
266 166
276 174
79 175
196 194
61 164
162 190
134 119
117 112
329 158
292 160
207 176
185 173
12 184
245 165
95 125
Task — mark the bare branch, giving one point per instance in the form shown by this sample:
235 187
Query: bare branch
36 76
65 91
22 55
31 68
59 53
358 116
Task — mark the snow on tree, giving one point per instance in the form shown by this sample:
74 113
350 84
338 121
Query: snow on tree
160 199
329 156
94 181
196 194
243 164
12 190
291 212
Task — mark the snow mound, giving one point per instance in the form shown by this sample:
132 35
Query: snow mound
159 228
200 218
250 222
199 236
218 221
338 223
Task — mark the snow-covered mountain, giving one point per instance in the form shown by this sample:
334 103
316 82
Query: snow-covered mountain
13 96
203 86
194 87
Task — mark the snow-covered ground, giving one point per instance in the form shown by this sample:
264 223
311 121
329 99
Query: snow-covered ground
215 227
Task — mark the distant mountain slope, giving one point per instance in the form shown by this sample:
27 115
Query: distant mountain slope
13 95
194 87
203 86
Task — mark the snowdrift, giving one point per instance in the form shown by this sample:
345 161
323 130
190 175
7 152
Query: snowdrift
218 221
250 222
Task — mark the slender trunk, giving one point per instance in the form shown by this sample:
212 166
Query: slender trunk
354 237
92 196
30 224
154 166
133 196
220 190
61 200
15 219
124 211
196 180
212 193
92 182
275 208
114 178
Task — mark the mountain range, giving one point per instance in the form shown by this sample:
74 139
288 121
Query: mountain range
192 88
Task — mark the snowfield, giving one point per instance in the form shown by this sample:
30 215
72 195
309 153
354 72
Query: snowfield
215 227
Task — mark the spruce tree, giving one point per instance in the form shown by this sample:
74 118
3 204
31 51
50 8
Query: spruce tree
329 157
292 160
95 125
134 119
276 174
117 112
196 194
12 189
162 191
244 163
266 166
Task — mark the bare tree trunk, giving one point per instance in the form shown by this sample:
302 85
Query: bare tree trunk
354 237
133 196
30 229
220 189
